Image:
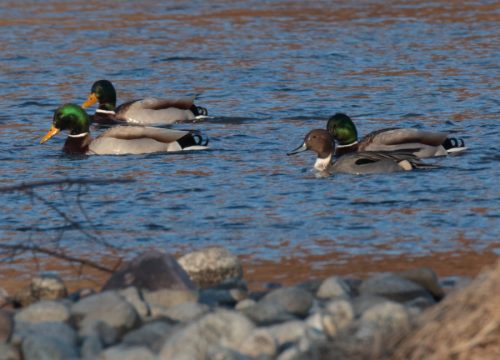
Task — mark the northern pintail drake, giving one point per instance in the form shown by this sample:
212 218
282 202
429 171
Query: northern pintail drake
424 144
148 111
118 140
367 162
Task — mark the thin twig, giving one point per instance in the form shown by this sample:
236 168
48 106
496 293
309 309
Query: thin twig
44 183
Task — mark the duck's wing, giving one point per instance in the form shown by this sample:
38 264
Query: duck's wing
402 136
152 111
184 103
138 132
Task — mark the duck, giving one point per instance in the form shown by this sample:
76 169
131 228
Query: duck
425 144
147 111
322 143
118 140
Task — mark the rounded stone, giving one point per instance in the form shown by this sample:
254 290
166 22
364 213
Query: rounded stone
333 287
425 277
221 328
9 352
392 287
133 296
168 297
294 300
211 266
44 311
288 332
341 312
151 335
127 353
6 325
186 312
259 343
40 347
388 316
267 313
107 307
49 287
60 331
245 303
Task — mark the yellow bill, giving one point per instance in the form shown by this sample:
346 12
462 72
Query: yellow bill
91 100
53 130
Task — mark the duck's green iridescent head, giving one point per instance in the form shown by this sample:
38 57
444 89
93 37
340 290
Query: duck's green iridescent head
70 117
104 93
342 129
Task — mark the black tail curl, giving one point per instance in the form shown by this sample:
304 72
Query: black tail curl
193 138
451 143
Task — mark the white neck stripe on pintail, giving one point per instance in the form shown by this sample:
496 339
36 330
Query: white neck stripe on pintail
322 164
78 135
343 146
105 111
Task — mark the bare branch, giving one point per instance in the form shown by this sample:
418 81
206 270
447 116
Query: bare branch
31 185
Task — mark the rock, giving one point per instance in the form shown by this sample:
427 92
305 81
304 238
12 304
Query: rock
426 278
46 286
9 352
151 335
260 342
420 303
210 266
168 298
109 308
44 311
392 287
311 285
221 328
60 331
127 353
221 297
267 313
245 303
186 312
364 302
80 294
341 316
303 349
294 300
222 353
384 318
151 271
288 332
333 287
6 325
4 298
41 347
91 347
134 297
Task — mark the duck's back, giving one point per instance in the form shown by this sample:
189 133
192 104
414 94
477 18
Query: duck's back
151 111
365 163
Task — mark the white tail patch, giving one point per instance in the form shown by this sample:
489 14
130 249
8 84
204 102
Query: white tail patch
195 147
456 150
200 117
405 165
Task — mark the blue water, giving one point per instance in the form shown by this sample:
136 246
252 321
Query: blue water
268 71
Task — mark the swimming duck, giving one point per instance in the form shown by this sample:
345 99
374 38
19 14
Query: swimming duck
146 111
366 162
119 139
424 143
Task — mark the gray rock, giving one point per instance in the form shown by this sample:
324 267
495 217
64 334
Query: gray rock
168 298
6 325
221 328
341 316
294 300
288 332
364 302
393 288
245 303
4 297
60 331
426 278
134 297
186 312
420 303
221 297
107 334
46 286
267 313
107 307
211 266
127 353
304 348
385 318
333 287
91 347
260 342
151 335
42 347
151 271
44 311
9 352
222 353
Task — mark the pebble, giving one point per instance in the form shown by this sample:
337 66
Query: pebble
259 343
385 317
267 313
107 307
127 353
294 300
152 335
44 311
211 266
392 287
333 286
168 297
341 312
42 347
57 330
186 312
47 286
426 278
151 271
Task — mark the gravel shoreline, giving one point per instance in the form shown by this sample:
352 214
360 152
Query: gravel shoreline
199 307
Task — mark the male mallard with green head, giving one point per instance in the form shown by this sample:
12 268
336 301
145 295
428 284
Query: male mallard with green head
118 140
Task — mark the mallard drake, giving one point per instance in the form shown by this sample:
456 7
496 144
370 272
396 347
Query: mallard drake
119 139
366 162
146 111
424 143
